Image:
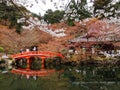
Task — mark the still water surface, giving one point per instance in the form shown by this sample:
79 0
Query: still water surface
94 77
73 78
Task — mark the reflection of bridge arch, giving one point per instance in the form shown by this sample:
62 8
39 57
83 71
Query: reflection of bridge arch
27 56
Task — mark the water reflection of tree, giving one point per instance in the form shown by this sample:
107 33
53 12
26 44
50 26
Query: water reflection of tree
53 63
20 63
93 77
36 63
93 73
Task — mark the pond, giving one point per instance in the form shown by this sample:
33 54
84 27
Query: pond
86 77
94 77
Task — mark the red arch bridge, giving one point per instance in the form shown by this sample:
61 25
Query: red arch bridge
28 57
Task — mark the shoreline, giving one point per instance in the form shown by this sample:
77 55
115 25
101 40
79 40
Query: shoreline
115 62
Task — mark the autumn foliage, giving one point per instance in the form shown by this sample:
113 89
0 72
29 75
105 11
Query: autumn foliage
13 42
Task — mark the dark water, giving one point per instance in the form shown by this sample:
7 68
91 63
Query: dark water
94 77
86 77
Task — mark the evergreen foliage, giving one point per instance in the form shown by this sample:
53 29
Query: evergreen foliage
9 16
53 16
1 49
77 10
36 63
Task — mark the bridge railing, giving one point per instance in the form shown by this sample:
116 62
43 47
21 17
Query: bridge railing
37 53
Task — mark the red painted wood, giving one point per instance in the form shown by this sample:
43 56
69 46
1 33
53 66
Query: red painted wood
42 55
36 53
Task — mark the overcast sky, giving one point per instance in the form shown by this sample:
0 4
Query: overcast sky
41 6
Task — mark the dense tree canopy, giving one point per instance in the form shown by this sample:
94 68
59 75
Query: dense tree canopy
53 17
9 15
74 10
77 10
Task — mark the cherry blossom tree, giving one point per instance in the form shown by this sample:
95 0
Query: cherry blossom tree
102 30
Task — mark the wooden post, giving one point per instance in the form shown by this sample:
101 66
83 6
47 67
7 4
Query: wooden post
28 63
43 62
